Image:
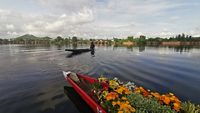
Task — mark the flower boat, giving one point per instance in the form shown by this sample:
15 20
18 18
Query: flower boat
105 95
73 79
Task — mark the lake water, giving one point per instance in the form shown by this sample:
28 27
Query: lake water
31 79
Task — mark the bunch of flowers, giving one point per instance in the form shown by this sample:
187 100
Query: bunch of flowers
165 99
112 95
118 97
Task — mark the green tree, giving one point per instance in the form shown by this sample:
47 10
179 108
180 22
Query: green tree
1 41
141 40
59 40
130 38
74 39
67 40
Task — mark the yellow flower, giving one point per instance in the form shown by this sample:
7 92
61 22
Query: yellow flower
120 89
113 84
105 93
101 79
171 94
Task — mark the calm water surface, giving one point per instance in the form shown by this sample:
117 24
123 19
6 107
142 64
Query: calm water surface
31 79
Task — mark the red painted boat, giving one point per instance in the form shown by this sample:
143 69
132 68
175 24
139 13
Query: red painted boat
87 98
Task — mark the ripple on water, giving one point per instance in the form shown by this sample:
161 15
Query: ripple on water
32 78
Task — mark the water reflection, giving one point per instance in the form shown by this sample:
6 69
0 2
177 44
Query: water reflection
82 106
32 80
93 53
72 54
182 49
141 48
59 47
74 46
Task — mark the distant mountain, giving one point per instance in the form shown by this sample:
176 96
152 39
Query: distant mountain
32 37
46 38
27 36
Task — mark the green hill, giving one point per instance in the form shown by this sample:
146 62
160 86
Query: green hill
32 37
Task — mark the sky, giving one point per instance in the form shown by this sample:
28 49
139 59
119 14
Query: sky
99 18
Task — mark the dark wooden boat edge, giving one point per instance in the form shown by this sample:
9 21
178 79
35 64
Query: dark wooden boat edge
78 50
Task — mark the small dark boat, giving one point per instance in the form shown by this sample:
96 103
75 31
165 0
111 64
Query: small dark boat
78 50
74 79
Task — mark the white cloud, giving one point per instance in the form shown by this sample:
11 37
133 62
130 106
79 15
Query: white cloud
10 27
44 24
106 18
139 34
12 33
67 5
174 17
166 34
195 32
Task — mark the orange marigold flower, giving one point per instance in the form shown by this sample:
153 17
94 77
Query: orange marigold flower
137 90
177 100
120 112
118 102
141 88
157 95
127 102
124 98
111 96
165 99
172 98
126 107
144 92
127 91
114 103
176 106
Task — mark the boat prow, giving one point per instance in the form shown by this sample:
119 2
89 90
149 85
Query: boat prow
66 73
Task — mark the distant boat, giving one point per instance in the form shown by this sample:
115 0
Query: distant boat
78 50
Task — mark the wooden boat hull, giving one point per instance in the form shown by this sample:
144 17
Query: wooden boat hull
78 50
94 106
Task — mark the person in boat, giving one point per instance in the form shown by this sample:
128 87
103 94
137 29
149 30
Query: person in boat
92 46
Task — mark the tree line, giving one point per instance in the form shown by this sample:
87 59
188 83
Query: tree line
30 39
